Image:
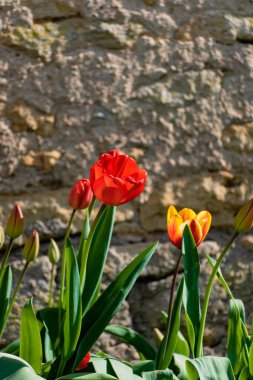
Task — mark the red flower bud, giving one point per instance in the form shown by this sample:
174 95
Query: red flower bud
31 248
84 363
116 178
81 194
243 220
15 223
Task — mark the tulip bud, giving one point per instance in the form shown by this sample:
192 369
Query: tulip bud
31 248
80 195
1 236
243 220
15 223
53 252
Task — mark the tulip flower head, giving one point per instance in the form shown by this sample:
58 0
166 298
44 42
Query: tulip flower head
1 236
84 363
199 224
116 178
15 223
80 195
31 248
53 252
243 220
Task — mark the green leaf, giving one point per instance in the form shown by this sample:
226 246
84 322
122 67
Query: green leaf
103 310
133 338
244 374
14 368
178 366
49 316
72 302
191 289
168 346
122 370
98 252
251 360
236 342
84 235
89 376
12 348
143 366
166 374
182 346
30 341
5 292
219 274
209 368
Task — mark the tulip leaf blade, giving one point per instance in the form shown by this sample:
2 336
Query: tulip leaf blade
30 340
97 255
209 367
72 300
14 368
191 297
103 310
167 346
133 338
159 375
5 293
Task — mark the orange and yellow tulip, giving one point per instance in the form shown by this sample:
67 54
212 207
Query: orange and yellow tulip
176 221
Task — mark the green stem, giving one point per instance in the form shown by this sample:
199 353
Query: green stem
63 265
87 246
167 331
51 286
199 348
5 259
14 297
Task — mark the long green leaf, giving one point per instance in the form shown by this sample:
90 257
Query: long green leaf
30 341
168 346
133 338
191 289
179 366
100 314
143 366
182 346
72 302
98 252
122 370
235 344
14 368
166 374
49 316
209 368
89 376
251 359
5 292
12 348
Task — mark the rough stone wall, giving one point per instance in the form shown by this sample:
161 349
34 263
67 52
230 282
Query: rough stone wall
169 82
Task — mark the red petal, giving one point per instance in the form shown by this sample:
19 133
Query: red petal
174 230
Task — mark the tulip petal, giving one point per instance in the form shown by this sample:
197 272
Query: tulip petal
109 190
171 212
187 214
204 218
196 231
175 231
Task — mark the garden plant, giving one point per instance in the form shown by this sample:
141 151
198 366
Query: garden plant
56 342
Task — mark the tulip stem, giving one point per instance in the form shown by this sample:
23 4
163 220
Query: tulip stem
63 265
51 286
199 348
5 258
14 297
167 331
86 247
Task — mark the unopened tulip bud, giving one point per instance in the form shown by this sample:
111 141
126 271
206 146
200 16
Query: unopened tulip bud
1 236
81 194
53 252
15 223
243 220
31 248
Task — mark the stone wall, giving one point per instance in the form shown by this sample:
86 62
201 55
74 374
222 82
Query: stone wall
169 82
166 81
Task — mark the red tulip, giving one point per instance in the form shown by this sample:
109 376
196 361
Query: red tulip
81 194
15 223
84 363
199 224
116 178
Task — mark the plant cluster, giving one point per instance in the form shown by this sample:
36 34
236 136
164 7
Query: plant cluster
56 341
